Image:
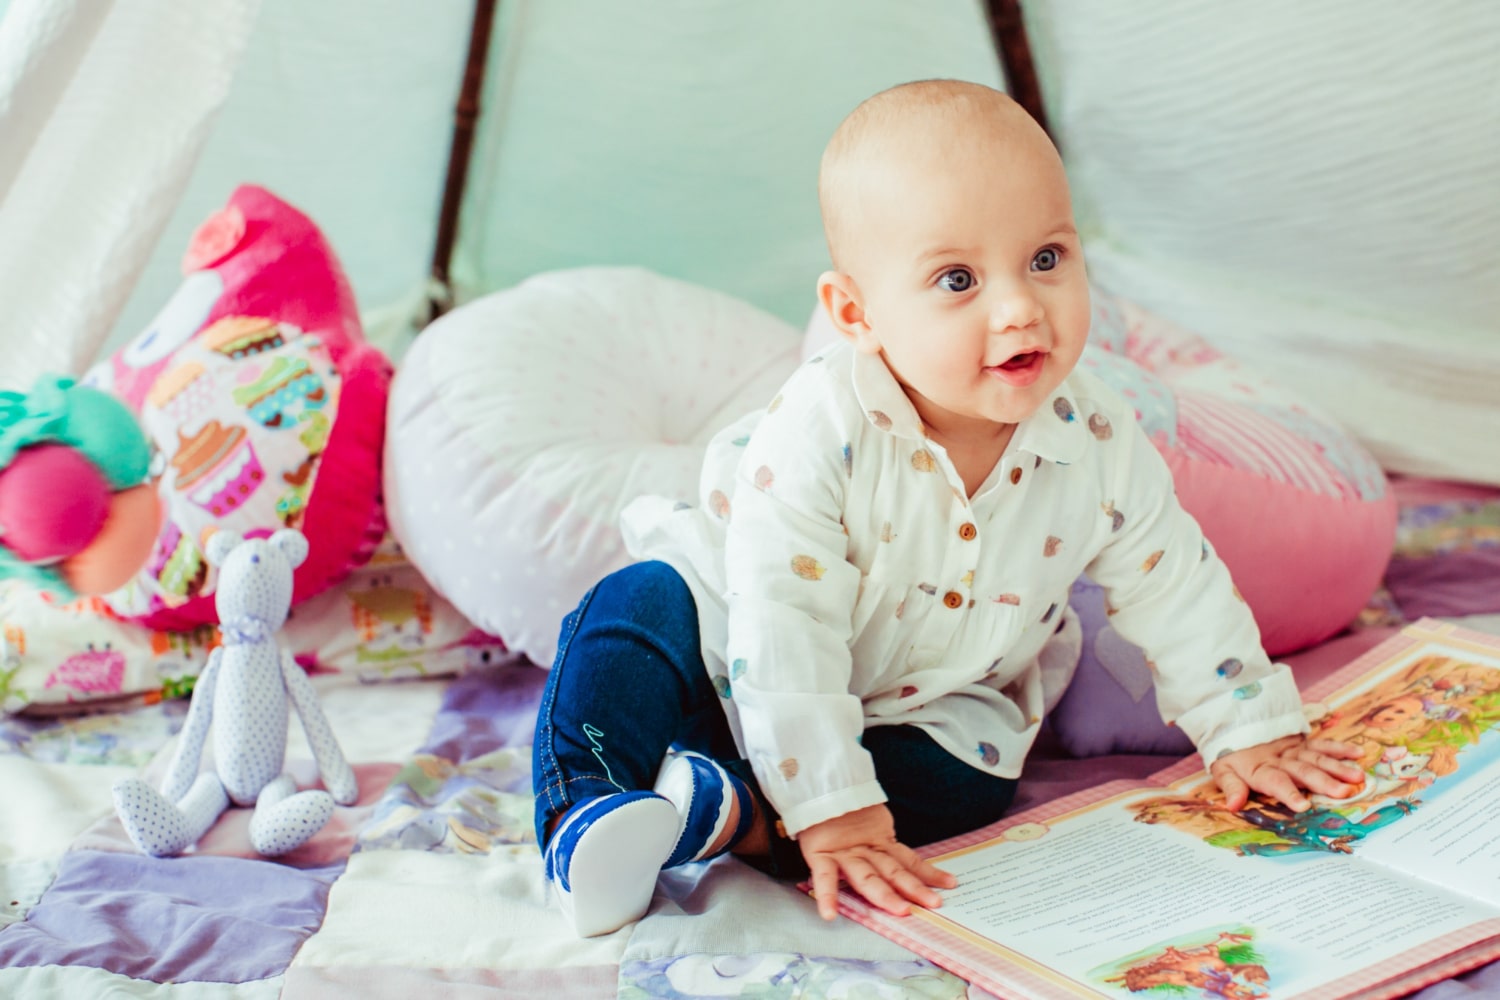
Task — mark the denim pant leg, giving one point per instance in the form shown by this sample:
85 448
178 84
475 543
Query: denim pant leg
628 682
933 795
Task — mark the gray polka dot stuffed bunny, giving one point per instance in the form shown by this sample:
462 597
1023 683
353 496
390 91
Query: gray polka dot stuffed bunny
244 693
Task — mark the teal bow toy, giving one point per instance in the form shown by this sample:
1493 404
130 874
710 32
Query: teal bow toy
97 425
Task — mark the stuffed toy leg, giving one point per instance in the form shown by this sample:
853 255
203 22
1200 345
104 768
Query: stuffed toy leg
244 694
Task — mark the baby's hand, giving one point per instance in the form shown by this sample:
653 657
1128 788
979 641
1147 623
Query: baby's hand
1281 767
862 847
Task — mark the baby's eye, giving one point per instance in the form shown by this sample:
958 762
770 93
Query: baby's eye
958 279
1046 259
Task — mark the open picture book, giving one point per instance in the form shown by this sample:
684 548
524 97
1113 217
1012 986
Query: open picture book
1154 888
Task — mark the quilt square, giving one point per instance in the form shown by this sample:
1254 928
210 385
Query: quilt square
421 909
200 919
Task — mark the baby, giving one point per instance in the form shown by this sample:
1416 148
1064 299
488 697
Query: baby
848 648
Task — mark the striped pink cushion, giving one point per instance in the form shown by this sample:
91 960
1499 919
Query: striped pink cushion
1294 504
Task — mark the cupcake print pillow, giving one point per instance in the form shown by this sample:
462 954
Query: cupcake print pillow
264 404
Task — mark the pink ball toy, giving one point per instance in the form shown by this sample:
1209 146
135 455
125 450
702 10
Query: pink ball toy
53 503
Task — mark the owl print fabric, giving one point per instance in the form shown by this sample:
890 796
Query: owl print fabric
844 579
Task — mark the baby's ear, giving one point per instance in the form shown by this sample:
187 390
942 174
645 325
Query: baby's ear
219 545
842 301
293 545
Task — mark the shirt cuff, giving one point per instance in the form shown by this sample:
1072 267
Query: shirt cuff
805 814
1255 713
1252 734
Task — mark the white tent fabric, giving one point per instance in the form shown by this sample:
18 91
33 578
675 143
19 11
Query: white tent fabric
682 137
1310 186
686 136
104 107
1314 187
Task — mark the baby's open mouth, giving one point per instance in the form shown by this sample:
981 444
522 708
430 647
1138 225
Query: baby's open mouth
1020 370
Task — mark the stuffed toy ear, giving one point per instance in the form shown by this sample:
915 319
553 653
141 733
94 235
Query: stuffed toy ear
219 545
293 545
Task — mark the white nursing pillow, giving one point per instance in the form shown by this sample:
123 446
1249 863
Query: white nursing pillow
521 424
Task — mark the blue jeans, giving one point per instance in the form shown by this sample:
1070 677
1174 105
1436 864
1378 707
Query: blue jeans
629 683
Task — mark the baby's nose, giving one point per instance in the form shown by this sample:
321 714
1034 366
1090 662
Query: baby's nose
1016 309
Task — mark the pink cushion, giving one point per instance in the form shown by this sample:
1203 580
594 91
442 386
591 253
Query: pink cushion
1295 506
264 402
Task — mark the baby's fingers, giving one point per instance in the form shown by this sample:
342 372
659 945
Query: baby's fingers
929 873
825 883
1336 748
1271 779
873 877
1320 774
905 881
1330 765
1236 792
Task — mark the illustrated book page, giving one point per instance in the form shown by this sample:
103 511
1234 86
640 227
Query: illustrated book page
1133 886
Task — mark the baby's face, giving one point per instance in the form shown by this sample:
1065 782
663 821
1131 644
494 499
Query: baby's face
973 281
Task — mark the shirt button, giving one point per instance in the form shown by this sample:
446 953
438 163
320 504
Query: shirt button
967 531
953 599
1015 475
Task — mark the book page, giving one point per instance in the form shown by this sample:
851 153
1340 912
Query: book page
1137 888
1429 721
1116 905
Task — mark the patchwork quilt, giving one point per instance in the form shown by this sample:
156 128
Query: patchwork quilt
431 883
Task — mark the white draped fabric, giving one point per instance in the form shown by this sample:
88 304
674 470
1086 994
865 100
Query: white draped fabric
104 107
1312 187
1315 188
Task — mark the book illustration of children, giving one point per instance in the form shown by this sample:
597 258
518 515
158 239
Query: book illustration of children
1262 827
1399 774
1410 731
847 648
1225 968
1316 829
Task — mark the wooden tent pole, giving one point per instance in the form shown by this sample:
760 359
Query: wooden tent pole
1007 28
1009 32
465 118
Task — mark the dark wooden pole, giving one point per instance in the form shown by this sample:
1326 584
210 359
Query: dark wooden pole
465 118
1006 28
1009 32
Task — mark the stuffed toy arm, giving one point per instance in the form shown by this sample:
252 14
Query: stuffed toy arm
338 776
194 731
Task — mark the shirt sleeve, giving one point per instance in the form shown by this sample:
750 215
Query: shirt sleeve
1172 596
791 592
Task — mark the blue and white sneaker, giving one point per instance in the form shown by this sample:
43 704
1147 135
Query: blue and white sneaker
604 858
704 794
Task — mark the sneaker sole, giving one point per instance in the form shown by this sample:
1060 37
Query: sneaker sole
613 869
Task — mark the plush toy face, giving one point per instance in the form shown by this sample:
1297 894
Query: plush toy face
255 575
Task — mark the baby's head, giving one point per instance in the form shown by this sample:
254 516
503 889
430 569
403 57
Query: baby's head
955 254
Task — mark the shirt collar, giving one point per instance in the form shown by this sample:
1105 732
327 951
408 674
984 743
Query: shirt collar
1055 432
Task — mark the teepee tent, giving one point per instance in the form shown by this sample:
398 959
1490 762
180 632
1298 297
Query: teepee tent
1288 211
1313 188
